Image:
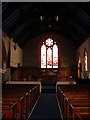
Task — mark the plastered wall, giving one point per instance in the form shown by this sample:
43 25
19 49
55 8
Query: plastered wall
31 51
80 51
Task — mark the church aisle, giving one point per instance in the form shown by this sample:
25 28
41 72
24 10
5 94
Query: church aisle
46 108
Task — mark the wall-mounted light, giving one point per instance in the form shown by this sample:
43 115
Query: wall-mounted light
56 18
41 18
49 26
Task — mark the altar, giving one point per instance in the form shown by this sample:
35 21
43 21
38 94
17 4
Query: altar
49 76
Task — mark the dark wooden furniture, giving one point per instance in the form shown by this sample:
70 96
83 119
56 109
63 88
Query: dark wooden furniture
18 100
74 101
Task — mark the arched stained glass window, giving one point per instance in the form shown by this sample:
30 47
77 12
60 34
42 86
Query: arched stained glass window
85 60
79 61
43 56
49 57
49 54
79 66
55 56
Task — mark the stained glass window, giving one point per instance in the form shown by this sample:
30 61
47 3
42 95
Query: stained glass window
85 60
49 42
49 54
49 58
79 61
43 56
79 66
55 56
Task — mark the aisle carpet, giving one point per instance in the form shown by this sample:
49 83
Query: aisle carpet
46 108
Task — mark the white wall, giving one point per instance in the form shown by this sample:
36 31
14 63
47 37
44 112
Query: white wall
31 51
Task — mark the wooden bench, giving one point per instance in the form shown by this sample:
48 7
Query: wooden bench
74 101
17 100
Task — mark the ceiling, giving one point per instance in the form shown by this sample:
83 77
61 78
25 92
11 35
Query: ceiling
24 21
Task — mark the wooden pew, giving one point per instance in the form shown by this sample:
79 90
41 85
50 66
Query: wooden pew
20 94
2 115
72 97
10 110
80 113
